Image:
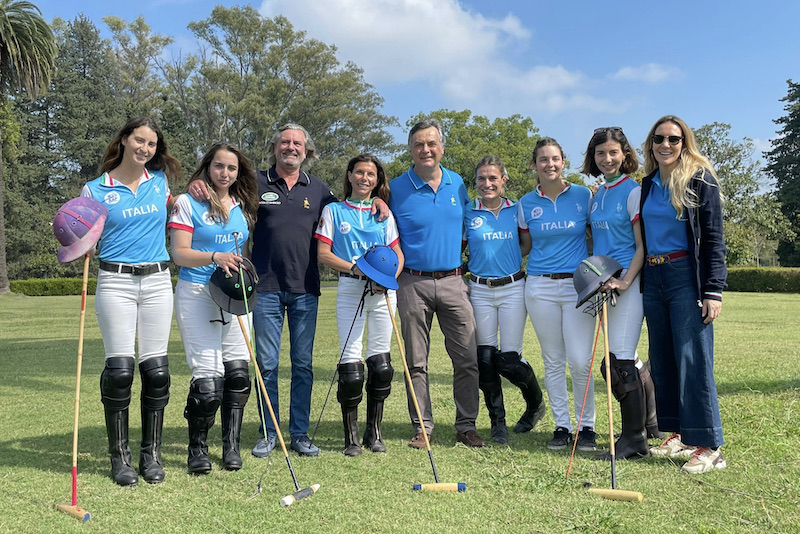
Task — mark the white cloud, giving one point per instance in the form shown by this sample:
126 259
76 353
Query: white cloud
442 48
648 73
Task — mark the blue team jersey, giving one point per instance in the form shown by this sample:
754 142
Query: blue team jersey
350 229
430 223
615 209
208 235
557 228
493 241
135 229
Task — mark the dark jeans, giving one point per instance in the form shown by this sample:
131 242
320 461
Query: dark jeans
681 355
268 324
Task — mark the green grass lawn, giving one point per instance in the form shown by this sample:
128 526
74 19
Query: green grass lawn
521 487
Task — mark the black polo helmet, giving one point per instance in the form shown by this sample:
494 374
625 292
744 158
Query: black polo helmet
591 274
228 293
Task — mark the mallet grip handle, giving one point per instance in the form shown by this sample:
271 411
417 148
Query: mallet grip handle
441 486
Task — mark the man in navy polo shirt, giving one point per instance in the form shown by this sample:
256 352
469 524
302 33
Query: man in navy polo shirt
285 257
428 203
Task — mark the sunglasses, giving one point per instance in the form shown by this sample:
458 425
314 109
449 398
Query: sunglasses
673 139
608 129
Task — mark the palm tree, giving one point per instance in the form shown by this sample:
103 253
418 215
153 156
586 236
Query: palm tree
27 57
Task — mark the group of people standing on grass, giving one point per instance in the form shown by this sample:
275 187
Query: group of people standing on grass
279 223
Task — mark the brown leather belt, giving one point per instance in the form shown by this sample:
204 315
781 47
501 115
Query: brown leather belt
435 274
557 276
659 259
499 281
136 270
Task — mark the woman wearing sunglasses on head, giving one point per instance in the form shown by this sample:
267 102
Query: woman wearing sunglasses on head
616 232
683 277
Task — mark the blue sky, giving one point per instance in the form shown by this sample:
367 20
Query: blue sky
571 66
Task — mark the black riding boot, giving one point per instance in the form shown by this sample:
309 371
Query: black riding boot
115 390
521 374
651 419
379 386
492 387
234 399
205 395
155 396
627 389
349 395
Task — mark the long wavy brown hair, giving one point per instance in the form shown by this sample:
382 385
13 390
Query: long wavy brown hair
162 160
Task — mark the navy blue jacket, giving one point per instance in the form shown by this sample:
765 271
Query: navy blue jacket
704 232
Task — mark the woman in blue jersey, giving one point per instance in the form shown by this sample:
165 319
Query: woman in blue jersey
553 221
345 231
497 293
204 236
683 278
134 292
616 232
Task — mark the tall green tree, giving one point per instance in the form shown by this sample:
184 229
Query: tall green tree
254 74
783 164
27 53
752 217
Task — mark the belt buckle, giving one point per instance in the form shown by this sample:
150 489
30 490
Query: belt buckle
490 282
137 271
661 259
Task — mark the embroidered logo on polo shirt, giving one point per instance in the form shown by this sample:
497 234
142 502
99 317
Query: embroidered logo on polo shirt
594 206
344 227
207 219
453 200
111 198
579 207
536 212
477 222
306 205
270 197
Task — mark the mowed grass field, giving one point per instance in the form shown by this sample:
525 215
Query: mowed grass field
521 487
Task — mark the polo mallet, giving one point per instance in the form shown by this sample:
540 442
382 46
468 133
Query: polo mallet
299 493
437 486
613 493
359 309
72 508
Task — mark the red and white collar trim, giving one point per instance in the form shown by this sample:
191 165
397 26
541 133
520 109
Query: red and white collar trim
616 182
107 180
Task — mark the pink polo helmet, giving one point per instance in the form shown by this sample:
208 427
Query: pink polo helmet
77 225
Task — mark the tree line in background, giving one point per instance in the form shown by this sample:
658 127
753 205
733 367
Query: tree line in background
250 75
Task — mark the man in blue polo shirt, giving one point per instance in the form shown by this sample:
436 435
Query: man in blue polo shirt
285 257
428 203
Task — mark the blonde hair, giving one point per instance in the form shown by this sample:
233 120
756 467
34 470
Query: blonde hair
690 162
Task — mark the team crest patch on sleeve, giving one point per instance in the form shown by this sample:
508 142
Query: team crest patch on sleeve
175 210
321 223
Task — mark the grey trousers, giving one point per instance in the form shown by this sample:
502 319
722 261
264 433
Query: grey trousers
418 299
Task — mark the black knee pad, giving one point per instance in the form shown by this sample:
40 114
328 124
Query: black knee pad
624 376
155 382
487 372
351 383
205 396
379 379
115 383
237 383
513 367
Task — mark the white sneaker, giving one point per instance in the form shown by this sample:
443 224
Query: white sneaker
673 447
705 459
